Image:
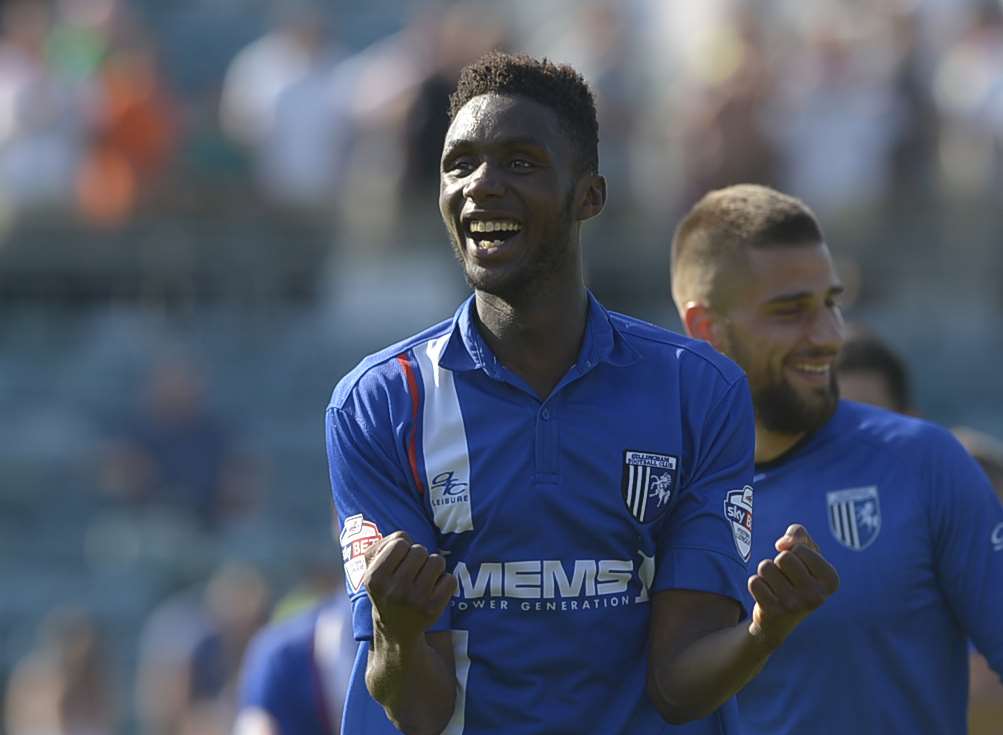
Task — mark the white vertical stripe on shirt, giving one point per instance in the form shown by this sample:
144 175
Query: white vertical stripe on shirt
444 442
456 722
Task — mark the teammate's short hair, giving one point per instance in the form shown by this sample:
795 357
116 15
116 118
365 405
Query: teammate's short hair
866 353
556 86
716 232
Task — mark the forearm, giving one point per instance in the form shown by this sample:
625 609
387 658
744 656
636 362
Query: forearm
414 681
699 678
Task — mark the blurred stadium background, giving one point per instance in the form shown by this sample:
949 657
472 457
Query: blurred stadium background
211 209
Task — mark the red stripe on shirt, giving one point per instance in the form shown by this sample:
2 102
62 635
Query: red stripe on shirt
412 449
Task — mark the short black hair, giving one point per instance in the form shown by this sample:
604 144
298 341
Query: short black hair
725 223
868 353
556 86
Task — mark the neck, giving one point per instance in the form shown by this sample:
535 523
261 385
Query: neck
772 444
536 336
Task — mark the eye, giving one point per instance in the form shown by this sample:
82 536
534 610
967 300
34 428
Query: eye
521 164
788 312
460 166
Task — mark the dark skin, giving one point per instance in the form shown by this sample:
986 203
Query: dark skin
506 159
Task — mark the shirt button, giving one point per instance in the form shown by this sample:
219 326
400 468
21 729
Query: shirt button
545 413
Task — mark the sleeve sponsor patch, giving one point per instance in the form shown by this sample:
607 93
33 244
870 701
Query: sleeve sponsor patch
357 535
738 512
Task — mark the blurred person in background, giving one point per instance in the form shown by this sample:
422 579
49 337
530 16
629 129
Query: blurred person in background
452 38
133 122
43 121
296 671
869 371
726 130
987 451
175 456
65 686
191 649
910 514
284 101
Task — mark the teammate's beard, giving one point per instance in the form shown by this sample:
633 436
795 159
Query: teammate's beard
781 409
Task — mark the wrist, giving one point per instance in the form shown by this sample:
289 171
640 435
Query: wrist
402 643
761 638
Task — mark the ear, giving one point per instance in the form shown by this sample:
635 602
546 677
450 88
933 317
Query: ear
593 198
701 323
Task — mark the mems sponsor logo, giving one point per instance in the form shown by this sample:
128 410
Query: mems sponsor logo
996 537
550 585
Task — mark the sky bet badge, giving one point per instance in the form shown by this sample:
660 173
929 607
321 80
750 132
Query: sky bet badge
357 535
738 511
648 482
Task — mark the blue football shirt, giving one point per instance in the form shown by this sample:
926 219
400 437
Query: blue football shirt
912 526
559 517
297 670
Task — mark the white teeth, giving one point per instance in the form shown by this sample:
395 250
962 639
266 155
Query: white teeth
817 369
494 226
485 244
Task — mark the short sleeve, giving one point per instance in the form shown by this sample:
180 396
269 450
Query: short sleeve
967 528
706 542
373 498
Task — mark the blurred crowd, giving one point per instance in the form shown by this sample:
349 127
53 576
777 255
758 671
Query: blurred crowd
283 155
332 113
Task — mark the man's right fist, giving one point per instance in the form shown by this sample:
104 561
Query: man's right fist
408 586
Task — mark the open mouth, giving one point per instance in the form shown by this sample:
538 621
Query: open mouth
490 234
812 371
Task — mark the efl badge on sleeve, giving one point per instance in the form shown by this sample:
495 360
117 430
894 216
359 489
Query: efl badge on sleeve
738 511
357 535
854 516
648 482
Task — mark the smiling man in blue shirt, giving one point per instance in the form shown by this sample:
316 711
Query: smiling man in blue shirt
911 519
546 508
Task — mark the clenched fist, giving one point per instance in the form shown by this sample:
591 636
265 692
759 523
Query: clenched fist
408 586
789 586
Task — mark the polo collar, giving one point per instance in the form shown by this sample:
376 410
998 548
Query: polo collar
603 343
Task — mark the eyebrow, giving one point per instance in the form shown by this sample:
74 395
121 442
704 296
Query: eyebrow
803 295
518 141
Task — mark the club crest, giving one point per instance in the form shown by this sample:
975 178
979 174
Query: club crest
357 535
648 482
854 516
738 511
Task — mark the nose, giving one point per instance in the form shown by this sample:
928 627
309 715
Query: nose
483 182
827 329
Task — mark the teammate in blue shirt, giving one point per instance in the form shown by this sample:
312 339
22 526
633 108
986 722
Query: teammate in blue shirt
295 674
546 508
914 528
